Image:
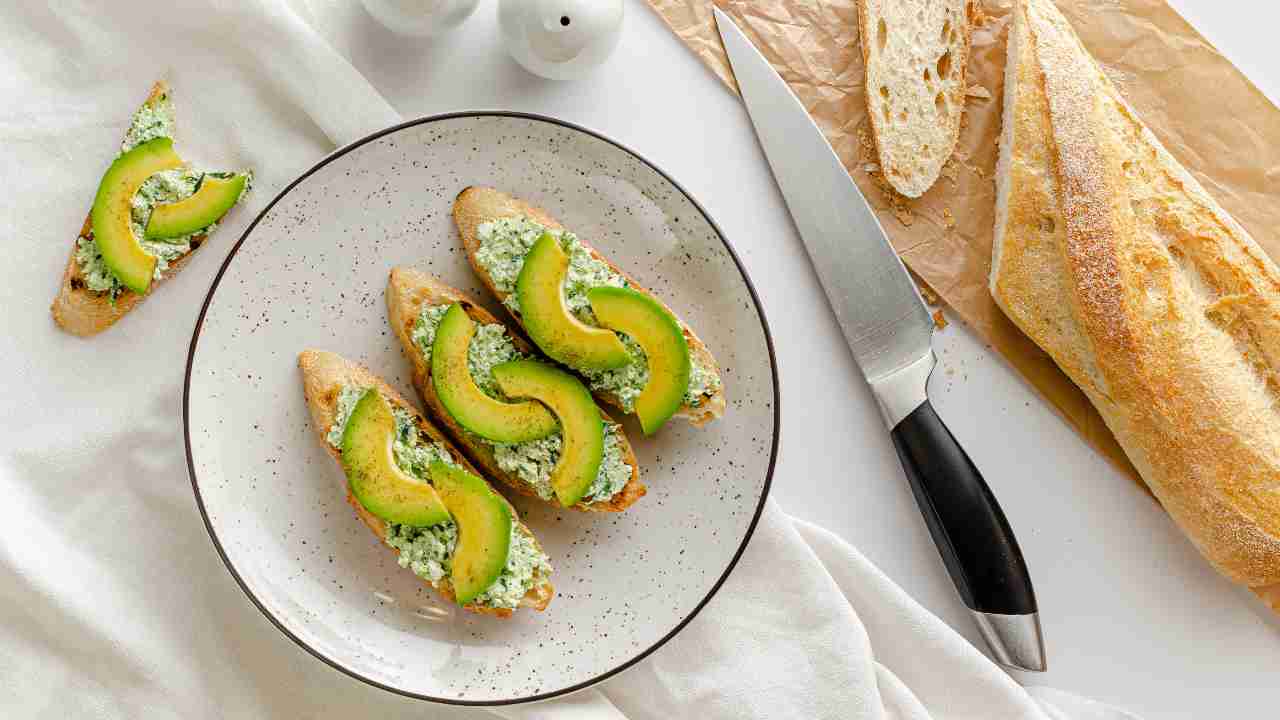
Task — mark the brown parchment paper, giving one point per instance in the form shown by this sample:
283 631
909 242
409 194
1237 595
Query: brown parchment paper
1221 127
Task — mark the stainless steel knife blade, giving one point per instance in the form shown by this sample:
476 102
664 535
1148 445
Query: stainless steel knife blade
880 312
889 329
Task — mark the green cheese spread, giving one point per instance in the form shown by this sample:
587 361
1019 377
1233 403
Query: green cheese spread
503 246
428 551
149 122
530 461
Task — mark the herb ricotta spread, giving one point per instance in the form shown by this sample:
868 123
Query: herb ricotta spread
534 460
428 551
503 246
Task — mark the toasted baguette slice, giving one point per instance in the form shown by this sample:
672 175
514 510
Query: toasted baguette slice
324 374
408 290
478 205
1159 305
84 312
914 54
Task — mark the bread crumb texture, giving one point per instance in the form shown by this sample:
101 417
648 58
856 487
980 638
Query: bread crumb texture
915 53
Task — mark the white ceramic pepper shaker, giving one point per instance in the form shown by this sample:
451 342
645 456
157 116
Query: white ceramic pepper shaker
421 18
560 39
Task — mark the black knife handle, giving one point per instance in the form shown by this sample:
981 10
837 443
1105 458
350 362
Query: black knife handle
966 522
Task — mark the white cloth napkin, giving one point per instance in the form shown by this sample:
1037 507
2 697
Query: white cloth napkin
113 603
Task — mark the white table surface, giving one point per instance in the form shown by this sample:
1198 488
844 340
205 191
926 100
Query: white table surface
1132 615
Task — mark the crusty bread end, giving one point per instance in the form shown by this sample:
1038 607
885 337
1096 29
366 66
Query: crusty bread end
1159 305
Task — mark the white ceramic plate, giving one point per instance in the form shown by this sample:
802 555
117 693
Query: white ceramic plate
310 273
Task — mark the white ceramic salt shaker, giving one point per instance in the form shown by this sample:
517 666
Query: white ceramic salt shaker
421 18
560 39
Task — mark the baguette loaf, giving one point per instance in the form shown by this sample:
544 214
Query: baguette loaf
1159 305
408 290
324 374
478 205
914 54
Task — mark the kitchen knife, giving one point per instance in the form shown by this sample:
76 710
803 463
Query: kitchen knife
889 330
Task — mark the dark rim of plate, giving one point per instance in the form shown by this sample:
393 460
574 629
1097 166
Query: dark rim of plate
195 338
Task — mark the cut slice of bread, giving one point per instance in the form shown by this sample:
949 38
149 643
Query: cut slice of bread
324 374
408 291
914 54
84 312
478 205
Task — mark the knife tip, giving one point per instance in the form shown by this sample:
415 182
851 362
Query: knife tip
719 15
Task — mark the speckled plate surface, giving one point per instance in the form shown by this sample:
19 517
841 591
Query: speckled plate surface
310 273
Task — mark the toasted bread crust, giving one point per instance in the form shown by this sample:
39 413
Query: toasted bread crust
323 376
84 312
1162 308
81 311
477 205
408 290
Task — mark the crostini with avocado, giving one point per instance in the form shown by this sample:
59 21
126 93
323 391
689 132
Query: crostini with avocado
554 442
152 211
418 494
636 354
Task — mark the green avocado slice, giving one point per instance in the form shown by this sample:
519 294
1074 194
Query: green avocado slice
647 322
112 214
376 480
550 324
484 530
489 418
583 446
215 196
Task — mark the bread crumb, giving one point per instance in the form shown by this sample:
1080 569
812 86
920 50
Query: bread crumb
865 142
897 202
977 15
948 220
939 320
931 297
977 91
900 210
951 170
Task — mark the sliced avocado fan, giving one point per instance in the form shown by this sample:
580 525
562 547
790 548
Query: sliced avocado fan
376 480
654 328
580 423
492 419
547 319
212 199
484 530
112 214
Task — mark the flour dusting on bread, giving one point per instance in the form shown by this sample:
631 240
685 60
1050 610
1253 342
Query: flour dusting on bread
1159 305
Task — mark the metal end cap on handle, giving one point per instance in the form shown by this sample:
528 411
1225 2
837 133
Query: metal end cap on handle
1016 641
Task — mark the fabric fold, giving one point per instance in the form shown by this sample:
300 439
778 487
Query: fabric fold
807 627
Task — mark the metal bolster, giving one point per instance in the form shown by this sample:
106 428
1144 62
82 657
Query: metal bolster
903 390
1016 640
